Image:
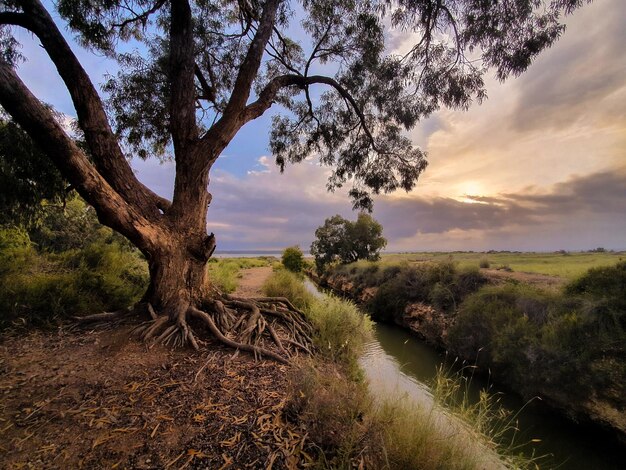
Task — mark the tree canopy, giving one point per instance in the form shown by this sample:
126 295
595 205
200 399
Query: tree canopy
343 241
293 259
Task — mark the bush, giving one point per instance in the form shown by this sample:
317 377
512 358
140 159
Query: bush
293 259
607 283
39 288
484 263
536 340
439 284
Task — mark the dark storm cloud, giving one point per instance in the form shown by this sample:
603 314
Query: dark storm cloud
599 194
406 217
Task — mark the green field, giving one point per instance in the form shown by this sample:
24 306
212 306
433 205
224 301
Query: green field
567 265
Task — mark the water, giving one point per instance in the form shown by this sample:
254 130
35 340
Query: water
246 254
397 361
252 253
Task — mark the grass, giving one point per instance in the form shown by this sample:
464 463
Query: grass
568 265
348 428
352 429
283 283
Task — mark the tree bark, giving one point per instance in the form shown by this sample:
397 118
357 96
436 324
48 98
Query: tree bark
178 276
178 280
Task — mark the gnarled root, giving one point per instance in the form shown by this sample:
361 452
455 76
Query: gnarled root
106 316
269 327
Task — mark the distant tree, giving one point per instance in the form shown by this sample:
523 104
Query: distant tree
205 69
329 239
293 259
343 241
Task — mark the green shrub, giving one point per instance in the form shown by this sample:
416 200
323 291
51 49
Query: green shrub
440 284
484 263
441 296
537 340
293 259
608 283
500 327
468 280
39 288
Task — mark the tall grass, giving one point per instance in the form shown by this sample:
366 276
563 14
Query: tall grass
283 283
351 429
341 329
492 424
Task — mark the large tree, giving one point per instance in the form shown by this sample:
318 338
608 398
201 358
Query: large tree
204 69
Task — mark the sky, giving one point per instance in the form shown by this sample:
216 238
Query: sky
539 166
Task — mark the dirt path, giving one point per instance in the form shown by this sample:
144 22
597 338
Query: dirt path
251 281
99 399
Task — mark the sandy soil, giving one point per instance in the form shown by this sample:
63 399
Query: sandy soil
251 281
97 399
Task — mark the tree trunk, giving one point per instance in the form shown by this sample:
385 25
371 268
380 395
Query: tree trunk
178 276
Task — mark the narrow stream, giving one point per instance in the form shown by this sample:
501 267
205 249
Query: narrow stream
395 361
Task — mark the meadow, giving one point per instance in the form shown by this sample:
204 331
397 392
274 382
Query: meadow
569 265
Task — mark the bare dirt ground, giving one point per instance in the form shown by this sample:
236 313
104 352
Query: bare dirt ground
97 399
251 281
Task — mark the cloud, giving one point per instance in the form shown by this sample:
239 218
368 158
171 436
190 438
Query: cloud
579 213
273 210
590 73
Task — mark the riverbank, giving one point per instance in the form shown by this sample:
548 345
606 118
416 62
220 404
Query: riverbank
524 335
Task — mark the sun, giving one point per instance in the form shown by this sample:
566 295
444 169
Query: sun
469 188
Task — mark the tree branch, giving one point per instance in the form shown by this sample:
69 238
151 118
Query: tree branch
268 95
222 132
103 145
207 90
250 66
142 17
183 124
47 133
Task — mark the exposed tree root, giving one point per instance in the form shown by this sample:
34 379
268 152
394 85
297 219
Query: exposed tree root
267 327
